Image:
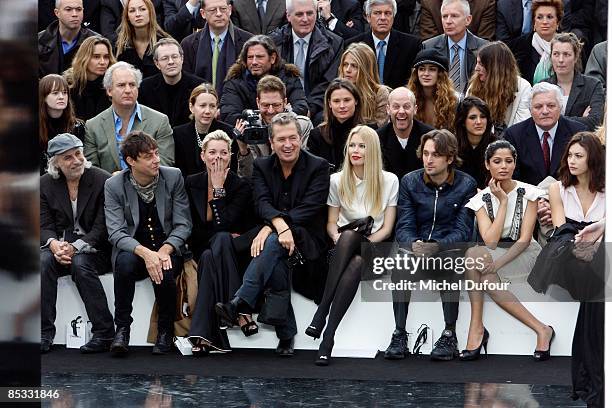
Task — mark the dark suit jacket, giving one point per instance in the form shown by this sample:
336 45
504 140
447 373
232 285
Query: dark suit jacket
110 17
178 21
198 58
233 213
345 11
527 58
307 213
401 161
244 15
473 44
401 50
56 211
187 152
171 101
483 18
524 137
586 91
51 59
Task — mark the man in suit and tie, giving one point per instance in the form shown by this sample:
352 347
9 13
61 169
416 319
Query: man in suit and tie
290 190
259 16
482 25
457 42
182 17
395 51
104 132
541 140
210 52
73 239
148 223
169 91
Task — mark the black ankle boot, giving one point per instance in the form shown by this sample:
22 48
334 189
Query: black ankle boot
325 350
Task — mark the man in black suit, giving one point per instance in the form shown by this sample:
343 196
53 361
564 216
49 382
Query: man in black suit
218 37
457 43
73 239
182 17
343 17
110 16
400 138
168 92
398 49
290 190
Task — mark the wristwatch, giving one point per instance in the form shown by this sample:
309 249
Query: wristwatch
218 192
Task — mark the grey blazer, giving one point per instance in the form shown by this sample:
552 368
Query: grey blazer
100 144
122 214
244 15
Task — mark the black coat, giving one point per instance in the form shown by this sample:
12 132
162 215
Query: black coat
92 101
144 64
345 11
56 217
524 137
197 51
178 21
172 100
586 91
110 17
401 50
187 152
240 91
233 213
51 59
322 61
398 160
527 58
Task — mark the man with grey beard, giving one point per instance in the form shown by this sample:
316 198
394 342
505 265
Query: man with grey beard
73 239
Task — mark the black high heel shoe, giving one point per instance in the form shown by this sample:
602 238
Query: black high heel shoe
543 355
324 356
200 349
313 332
249 327
470 355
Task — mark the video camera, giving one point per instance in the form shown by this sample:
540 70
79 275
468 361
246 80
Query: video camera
255 132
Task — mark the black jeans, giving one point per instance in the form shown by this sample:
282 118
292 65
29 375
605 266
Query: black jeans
130 268
84 271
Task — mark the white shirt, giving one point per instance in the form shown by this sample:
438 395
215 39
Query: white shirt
551 132
573 209
358 208
376 41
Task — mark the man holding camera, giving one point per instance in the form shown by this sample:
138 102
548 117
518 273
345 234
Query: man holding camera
253 140
290 191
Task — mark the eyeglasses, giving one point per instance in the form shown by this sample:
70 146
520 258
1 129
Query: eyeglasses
274 106
214 10
167 58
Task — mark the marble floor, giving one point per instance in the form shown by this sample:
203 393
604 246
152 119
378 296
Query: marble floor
135 390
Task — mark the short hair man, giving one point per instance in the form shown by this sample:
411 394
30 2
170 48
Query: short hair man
259 16
148 222
315 50
433 221
105 132
259 57
168 91
210 52
59 42
393 48
400 138
73 239
271 100
482 24
290 190
182 17
457 42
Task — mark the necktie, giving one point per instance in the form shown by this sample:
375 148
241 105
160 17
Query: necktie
261 12
546 151
455 70
381 59
526 17
300 60
215 60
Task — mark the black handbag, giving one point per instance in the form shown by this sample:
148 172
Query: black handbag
361 225
275 307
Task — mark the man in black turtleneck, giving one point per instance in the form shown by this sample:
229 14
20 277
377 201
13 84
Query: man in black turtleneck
168 92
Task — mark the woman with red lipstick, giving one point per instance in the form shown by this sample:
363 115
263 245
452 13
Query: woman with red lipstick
506 215
137 34
359 190
496 80
85 76
436 99
583 96
55 114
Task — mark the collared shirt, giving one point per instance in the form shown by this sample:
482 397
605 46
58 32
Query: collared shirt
221 40
192 9
377 40
264 4
118 125
552 132
295 49
462 43
284 198
67 46
449 180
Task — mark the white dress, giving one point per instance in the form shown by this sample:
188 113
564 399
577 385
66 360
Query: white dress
519 268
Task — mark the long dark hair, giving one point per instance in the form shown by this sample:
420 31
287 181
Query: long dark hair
67 121
328 116
596 162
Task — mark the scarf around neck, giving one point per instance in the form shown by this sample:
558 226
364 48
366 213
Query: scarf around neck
147 193
542 47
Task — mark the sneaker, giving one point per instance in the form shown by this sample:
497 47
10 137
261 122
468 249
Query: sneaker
445 348
398 349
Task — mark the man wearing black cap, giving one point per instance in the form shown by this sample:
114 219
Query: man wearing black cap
73 239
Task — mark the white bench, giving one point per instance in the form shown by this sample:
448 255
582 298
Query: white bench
367 326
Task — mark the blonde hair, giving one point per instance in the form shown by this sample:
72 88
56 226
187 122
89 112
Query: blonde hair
445 100
76 75
372 172
368 80
126 32
217 135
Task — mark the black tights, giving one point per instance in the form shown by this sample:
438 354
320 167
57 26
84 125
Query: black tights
342 282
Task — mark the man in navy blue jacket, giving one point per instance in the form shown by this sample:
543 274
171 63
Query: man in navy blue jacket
433 222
